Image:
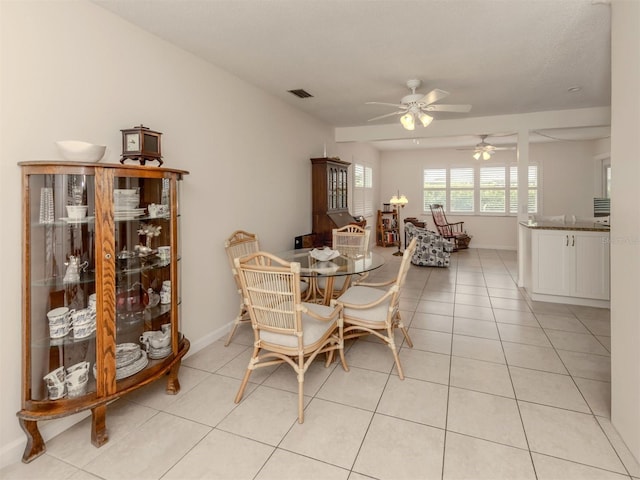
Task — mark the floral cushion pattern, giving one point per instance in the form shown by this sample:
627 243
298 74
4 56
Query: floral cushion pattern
432 249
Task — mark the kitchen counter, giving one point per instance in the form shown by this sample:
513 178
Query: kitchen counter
565 262
572 226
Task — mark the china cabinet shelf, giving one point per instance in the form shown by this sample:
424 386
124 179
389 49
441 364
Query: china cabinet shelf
74 280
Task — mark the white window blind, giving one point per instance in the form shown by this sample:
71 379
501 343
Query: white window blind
362 190
461 190
493 189
435 187
532 189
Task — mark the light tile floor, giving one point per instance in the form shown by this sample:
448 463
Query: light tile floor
497 387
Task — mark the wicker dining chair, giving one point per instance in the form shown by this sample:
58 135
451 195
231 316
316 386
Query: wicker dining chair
371 310
286 330
350 241
240 243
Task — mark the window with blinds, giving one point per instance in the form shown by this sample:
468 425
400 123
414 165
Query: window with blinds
486 189
532 192
362 190
435 187
461 190
493 189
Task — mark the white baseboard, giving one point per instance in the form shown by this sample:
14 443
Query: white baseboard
586 302
208 339
11 452
490 247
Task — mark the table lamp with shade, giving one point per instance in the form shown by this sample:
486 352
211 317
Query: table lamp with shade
399 201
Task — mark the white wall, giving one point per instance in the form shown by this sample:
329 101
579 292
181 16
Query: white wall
71 70
625 223
568 185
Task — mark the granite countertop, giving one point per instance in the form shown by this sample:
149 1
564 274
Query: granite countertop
577 226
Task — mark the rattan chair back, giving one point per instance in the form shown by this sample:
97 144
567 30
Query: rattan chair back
350 240
271 289
239 244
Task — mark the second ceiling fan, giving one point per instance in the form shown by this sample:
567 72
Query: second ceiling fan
484 149
416 107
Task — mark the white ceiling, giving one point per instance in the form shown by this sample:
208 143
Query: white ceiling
501 56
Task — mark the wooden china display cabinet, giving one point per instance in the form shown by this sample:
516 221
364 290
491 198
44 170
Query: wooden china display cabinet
101 289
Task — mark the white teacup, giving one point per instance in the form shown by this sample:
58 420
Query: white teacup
57 392
78 391
91 305
77 381
165 297
82 317
81 366
55 377
160 340
76 212
59 331
77 377
59 316
84 330
164 252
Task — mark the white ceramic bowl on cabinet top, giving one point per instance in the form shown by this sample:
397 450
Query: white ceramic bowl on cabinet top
77 151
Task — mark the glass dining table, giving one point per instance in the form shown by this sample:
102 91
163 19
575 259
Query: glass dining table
341 266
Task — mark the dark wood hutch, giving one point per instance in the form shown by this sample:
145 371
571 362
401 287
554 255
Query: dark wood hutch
330 189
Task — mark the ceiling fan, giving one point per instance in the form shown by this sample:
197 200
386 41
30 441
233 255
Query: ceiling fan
484 149
417 106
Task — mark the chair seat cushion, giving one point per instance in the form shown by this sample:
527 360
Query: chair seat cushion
362 295
313 329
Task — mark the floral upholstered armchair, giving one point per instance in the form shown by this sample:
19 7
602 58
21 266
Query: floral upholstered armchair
433 250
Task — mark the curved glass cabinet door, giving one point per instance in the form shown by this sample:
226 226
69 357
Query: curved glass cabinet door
144 226
61 304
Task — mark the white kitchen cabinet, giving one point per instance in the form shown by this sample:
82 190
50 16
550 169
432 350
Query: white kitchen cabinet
570 263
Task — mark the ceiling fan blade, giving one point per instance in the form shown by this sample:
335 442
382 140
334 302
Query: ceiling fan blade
397 105
387 115
433 96
449 108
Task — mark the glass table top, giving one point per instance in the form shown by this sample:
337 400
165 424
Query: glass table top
342 265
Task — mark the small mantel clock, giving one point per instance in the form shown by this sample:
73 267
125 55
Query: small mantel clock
141 144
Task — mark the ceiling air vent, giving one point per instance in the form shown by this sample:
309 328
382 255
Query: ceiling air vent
300 93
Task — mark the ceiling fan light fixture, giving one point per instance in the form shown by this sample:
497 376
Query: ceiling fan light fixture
425 119
482 154
408 122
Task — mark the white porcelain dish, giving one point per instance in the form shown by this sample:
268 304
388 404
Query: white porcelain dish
77 151
325 254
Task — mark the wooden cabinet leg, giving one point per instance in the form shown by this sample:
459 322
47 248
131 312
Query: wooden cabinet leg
35 444
173 384
99 434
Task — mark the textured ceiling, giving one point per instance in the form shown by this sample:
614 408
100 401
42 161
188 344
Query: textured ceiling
500 56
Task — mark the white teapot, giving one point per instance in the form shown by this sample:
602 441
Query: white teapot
74 267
